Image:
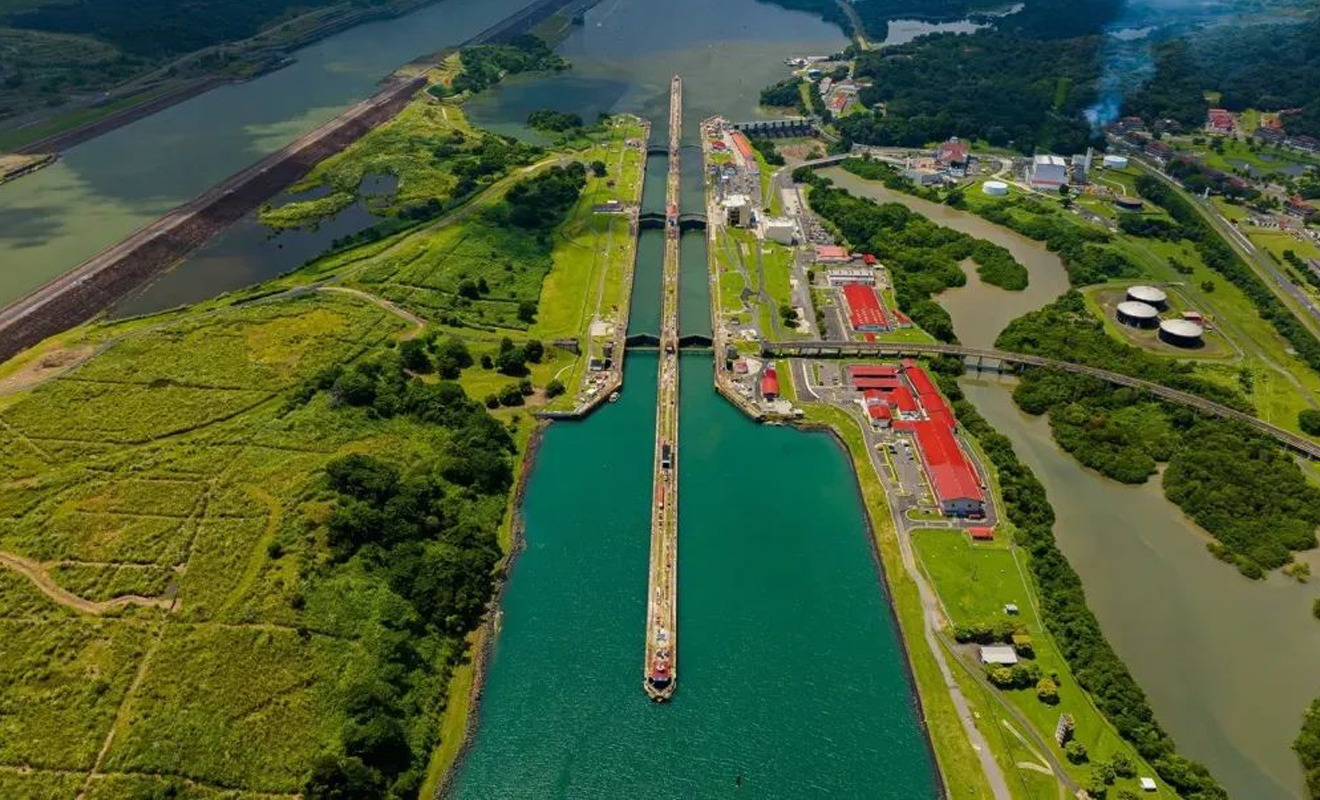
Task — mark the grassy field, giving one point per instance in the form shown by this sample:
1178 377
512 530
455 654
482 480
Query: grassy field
975 582
177 625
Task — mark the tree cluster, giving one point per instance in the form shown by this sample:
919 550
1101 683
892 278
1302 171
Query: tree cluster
542 200
546 119
487 64
784 94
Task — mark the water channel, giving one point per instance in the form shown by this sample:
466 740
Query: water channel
1229 664
102 190
793 680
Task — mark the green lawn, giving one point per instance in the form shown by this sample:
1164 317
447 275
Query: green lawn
975 582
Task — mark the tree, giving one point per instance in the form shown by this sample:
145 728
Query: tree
486 361
534 350
336 777
468 288
525 387
512 362
1308 419
1207 286
492 401
412 353
554 388
1075 751
598 168
452 357
527 310
511 395
1047 691
1124 766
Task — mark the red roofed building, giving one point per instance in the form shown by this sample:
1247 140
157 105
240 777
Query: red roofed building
953 152
956 484
1219 120
872 371
884 384
832 253
864 310
982 534
743 147
770 384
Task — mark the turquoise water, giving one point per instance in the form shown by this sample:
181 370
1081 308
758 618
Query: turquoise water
693 285
791 672
648 277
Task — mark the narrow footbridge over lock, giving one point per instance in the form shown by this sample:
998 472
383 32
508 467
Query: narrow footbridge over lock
982 357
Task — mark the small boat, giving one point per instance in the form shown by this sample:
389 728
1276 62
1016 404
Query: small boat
614 397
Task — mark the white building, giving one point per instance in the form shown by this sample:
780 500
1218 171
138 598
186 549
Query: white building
779 229
1000 655
737 210
850 275
1048 172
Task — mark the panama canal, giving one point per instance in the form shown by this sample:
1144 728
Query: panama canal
782 610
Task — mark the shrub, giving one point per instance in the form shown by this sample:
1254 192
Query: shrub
554 388
1075 751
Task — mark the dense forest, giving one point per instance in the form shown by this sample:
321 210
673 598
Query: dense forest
551 121
1093 661
421 539
923 257
784 94
159 27
1239 485
1267 67
961 85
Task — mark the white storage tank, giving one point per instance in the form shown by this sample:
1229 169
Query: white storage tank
1138 315
1116 162
1149 295
995 188
1181 333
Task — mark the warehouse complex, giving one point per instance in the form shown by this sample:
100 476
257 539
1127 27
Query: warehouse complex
905 400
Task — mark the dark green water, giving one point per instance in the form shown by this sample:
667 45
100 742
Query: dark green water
791 670
693 285
648 277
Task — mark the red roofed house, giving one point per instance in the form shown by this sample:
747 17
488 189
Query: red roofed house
982 534
877 408
770 384
832 253
864 310
1219 120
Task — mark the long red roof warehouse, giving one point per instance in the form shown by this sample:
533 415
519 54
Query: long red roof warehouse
872 371
864 309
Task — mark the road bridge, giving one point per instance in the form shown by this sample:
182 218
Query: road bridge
660 665
837 349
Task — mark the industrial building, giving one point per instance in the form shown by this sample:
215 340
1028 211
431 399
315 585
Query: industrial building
1182 333
1047 172
846 275
737 210
1138 315
1150 296
779 229
770 384
995 188
1115 162
743 147
907 401
865 312
955 157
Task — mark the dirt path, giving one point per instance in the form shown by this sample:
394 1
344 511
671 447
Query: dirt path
38 574
417 322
